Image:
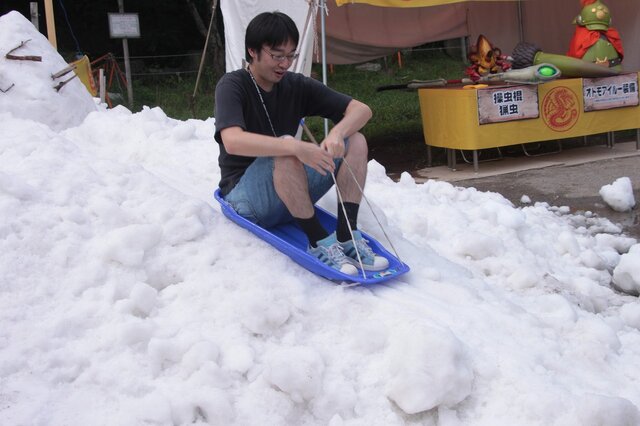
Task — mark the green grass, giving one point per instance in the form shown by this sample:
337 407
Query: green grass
396 126
174 94
396 112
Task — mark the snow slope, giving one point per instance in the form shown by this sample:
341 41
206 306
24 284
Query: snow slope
127 298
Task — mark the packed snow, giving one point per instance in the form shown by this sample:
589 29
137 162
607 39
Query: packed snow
619 195
127 298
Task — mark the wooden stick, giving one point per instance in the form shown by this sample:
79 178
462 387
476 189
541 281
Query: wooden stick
22 58
64 71
62 83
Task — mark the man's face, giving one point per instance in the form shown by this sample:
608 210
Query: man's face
270 64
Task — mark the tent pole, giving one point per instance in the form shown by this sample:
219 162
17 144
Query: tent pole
520 26
324 55
464 49
300 63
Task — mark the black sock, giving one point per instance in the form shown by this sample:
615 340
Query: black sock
342 229
313 229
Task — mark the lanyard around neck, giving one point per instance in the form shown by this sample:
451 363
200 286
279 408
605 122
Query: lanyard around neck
255 83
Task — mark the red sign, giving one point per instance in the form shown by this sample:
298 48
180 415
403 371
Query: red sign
560 109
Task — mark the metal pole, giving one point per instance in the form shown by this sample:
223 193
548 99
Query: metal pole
463 48
520 24
34 14
324 55
102 85
51 24
127 64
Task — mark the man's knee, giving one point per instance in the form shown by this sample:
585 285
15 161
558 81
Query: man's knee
288 164
358 145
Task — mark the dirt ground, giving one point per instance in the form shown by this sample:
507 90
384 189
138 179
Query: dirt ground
574 186
563 180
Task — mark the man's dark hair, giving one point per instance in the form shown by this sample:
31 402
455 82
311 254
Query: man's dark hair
270 28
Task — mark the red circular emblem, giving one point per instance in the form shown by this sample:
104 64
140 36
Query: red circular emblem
560 109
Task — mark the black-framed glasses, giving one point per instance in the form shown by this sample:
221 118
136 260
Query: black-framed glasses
281 58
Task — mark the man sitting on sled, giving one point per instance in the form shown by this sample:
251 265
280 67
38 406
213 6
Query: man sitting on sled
271 178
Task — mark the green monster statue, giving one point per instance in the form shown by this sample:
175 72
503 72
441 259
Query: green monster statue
594 40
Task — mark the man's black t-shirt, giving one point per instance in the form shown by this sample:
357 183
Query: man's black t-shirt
293 98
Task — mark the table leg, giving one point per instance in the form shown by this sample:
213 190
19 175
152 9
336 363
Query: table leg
475 160
451 158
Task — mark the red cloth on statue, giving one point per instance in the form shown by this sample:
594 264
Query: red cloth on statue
584 38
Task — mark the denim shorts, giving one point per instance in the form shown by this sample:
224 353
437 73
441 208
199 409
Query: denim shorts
254 197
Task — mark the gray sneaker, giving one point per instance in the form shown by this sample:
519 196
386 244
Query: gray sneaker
370 260
329 251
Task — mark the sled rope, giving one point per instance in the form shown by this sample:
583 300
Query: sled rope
344 160
340 200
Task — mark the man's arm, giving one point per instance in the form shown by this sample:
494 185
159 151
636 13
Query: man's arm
240 142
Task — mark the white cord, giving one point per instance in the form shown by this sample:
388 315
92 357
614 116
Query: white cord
344 160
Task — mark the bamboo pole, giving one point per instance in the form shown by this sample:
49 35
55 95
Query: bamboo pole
520 22
51 23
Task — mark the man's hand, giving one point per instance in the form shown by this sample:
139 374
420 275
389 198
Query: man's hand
334 145
315 157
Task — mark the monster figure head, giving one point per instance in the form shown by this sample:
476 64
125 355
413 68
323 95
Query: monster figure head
594 15
484 55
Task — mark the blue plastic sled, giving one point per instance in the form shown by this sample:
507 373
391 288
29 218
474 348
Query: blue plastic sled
290 240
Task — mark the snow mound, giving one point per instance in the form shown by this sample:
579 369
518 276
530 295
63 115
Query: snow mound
626 276
619 195
428 368
29 88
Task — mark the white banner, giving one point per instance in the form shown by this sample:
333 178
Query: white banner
507 103
610 92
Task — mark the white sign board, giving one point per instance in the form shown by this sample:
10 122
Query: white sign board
610 92
124 25
507 103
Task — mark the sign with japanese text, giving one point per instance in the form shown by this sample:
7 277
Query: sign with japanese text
507 103
124 25
610 92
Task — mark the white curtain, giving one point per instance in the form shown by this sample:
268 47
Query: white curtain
238 13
